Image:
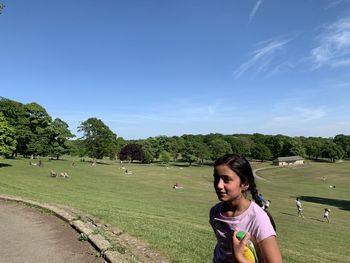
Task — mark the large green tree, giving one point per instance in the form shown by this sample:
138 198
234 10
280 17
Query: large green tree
16 115
99 140
165 157
261 152
332 151
39 124
292 147
176 144
189 153
344 142
276 144
202 152
219 147
59 138
313 146
7 137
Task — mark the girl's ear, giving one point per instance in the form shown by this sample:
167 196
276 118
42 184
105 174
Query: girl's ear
244 187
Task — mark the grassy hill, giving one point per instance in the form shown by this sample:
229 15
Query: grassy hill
175 222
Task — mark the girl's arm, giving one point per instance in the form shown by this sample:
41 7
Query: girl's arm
270 250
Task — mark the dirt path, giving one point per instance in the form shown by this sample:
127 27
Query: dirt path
257 176
30 236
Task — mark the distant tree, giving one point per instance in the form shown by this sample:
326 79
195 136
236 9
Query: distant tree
131 152
75 148
16 115
219 147
202 151
7 137
120 143
237 145
98 138
147 156
261 152
313 147
247 144
259 138
188 153
39 122
165 157
292 147
212 136
162 143
344 142
276 143
332 151
59 139
176 144
151 147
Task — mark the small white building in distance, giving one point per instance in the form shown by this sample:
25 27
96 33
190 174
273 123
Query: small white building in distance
290 160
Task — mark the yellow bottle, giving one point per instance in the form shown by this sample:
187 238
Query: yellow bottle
249 250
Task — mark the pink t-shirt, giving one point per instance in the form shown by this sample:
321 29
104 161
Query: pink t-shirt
254 220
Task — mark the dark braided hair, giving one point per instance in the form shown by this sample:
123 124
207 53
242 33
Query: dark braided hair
242 168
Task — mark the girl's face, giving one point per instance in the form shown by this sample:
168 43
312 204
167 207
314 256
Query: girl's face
227 184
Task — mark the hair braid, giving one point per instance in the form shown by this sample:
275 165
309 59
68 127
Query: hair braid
254 193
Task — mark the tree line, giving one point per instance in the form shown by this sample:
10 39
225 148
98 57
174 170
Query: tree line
28 130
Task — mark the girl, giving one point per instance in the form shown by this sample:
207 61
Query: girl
326 214
299 207
233 177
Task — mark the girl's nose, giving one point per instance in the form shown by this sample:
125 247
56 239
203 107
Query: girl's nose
220 184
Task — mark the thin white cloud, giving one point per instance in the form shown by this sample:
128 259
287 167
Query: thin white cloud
254 10
334 46
307 114
334 3
174 112
300 115
262 58
296 121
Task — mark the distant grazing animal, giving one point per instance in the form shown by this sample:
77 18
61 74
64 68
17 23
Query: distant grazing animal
177 186
64 175
53 173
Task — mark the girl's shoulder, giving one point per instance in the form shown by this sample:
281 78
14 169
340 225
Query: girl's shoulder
258 215
215 208
215 211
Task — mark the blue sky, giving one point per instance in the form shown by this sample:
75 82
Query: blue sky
166 67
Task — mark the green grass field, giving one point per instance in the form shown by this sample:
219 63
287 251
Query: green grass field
175 222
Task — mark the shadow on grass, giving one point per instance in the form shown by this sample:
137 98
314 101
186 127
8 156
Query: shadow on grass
294 215
341 204
181 164
103 163
5 165
316 219
288 214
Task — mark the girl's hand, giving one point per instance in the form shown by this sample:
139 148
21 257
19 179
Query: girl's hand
238 247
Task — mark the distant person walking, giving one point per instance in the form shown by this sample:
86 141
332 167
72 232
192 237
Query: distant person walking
261 198
299 207
326 214
267 204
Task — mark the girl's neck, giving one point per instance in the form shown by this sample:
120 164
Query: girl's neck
235 208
